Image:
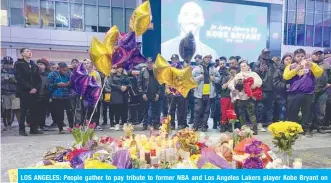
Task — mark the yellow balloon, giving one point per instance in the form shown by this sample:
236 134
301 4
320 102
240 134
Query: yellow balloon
141 18
100 56
111 38
179 79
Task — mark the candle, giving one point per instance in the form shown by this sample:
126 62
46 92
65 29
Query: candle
148 157
153 152
168 155
297 164
142 154
163 155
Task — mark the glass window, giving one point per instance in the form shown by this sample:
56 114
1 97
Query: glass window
91 17
310 19
104 2
276 13
104 19
310 6
326 37
90 1
318 19
118 19
301 11
117 3
16 12
291 34
327 5
128 13
76 1
285 33
300 35
309 35
130 3
61 15
76 19
327 19
291 17
32 12
4 13
318 6
292 4
318 36
46 13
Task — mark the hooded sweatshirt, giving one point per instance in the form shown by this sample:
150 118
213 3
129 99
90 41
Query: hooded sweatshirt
302 81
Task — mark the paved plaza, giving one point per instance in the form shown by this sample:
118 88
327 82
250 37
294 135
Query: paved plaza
18 151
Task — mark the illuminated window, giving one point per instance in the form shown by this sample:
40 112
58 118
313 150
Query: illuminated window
47 13
31 8
61 16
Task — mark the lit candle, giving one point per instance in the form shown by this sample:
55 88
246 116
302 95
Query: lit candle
297 164
142 154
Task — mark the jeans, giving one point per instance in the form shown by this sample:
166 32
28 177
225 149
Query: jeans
217 110
177 103
87 111
191 106
106 113
28 103
60 106
42 104
165 105
201 107
319 107
151 113
298 101
264 108
280 109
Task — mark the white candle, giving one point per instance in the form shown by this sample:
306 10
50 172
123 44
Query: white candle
142 154
297 164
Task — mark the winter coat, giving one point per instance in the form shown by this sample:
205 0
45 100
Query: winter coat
321 82
59 92
8 81
27 77
114 86
196 74
224 78
148 85
280 82
266 76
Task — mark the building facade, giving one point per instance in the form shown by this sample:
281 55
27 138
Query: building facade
60 30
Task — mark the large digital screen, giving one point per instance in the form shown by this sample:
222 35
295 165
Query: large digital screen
219 28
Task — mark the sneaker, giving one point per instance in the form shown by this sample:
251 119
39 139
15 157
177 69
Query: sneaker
117 127
98 128
112 128
260 128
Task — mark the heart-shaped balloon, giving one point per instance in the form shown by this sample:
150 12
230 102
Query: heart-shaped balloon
141 18
100 56
187 47
128 41
111 38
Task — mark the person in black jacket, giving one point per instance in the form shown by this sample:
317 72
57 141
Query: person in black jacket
28 83
265 67
151 91
135 107
280 86
43 94
118 85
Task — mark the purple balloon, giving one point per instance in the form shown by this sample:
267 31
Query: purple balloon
128 41
79 80
92 92
80 85
120 56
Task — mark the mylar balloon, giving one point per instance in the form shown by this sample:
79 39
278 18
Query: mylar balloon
111 38
93 91
128 41
179 79
187 47
120 55
141 18
79 80
100 56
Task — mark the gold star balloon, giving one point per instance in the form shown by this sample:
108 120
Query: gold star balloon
179 79
141 18
101 53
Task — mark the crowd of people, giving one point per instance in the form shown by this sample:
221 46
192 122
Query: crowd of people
294 88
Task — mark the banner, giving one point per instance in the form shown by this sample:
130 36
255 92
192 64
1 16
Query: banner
174 175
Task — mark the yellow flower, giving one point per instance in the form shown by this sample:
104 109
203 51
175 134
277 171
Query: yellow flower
195 157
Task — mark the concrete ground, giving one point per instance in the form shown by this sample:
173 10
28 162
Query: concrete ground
18 151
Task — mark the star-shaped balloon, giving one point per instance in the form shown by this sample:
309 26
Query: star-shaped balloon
79 80
93 91
179 79
101 53
141 18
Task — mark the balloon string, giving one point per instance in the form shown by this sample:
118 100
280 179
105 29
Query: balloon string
96 104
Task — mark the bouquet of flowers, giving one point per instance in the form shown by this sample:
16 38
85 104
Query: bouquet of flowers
254 161
81 135
240 134
165 128
284 134
188 141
